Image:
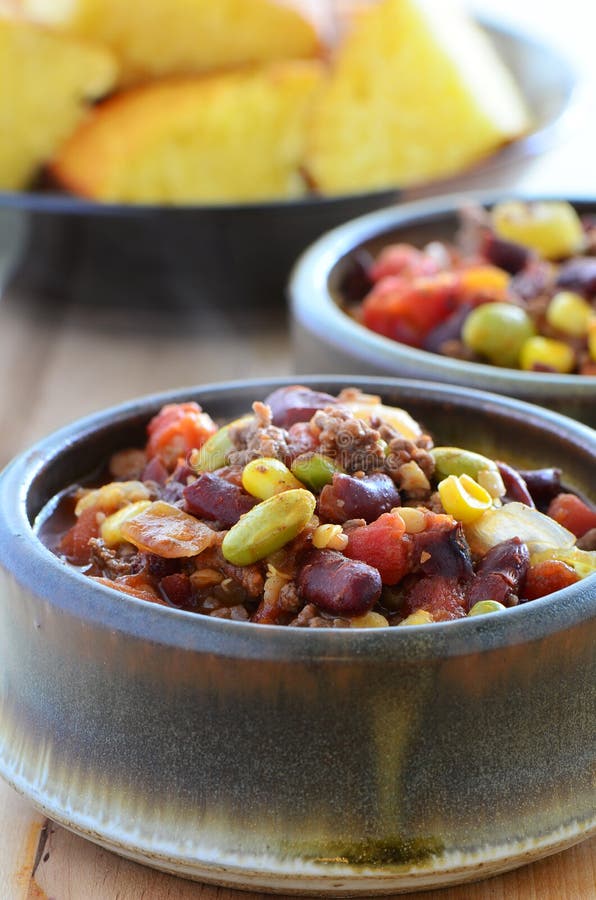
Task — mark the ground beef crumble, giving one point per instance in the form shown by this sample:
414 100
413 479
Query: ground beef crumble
258 438
349 441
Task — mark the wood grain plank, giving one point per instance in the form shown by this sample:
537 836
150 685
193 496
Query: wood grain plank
79 870
20 827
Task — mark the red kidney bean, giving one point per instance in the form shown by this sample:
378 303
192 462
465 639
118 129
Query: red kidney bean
588 540
176 589
300 440
173 490
156 471
500 573
159 566
505 254
296 403
355 282
515 485
535 279
448 330
543 484
339 585
578 275
212 497
442 553
358 498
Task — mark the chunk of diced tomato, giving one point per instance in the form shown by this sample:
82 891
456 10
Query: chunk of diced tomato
548 576
572 513
381 545
403 259
176 429
408 309
75 543
442 597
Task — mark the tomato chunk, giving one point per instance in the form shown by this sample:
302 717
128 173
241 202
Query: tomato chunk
442 597
403 259
381 545
572 513
548 576
75 543
408 309
176 429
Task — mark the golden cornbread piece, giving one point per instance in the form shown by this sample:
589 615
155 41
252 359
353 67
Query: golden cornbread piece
45 83
236 136
155 38
416 91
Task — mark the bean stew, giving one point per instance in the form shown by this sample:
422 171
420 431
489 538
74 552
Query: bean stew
319 511
516 289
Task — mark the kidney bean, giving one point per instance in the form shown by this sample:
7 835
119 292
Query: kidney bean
300 440
535 279
155 470
448 330
176 589
517 488
159 566
500 573
505 254
579 275
443 553
212 497
339 585
543 484
588 540
296 403
355 282
358 498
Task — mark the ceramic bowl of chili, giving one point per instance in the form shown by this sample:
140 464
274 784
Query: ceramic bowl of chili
508 325
338 761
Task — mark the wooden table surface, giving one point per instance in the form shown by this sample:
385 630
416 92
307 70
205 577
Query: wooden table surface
63 359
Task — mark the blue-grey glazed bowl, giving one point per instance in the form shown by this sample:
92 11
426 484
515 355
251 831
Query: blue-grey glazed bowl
326 338
288 760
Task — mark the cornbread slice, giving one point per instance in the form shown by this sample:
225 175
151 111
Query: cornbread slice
234 136
155 38
45 83
416 91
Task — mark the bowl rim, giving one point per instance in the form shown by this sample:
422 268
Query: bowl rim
37 570
528 144
313 306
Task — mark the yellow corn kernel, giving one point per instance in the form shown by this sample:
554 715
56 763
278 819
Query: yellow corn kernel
463 498
486 606
268 476
491 481
545 353
414 519
570 313
110 531
551 228
369 620
488 281
592 340
329 537
420 617
206 577
111 497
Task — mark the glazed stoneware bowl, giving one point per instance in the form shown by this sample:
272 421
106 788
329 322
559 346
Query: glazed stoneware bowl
327 339
298 761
